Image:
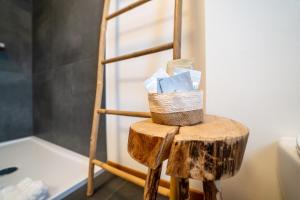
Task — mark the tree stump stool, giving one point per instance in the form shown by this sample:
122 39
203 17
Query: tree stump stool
149 144
210 151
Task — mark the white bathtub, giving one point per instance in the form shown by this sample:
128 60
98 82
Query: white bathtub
62 170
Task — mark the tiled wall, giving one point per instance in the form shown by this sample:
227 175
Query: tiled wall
15 69
64 72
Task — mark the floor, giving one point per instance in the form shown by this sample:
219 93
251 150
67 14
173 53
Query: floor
110 187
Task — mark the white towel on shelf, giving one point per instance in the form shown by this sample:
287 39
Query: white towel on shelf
26 189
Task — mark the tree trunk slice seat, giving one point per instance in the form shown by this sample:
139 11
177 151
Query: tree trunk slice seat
149 144
210 151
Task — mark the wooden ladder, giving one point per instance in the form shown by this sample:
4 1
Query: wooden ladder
176 46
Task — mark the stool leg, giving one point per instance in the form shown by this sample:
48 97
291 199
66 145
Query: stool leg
179 189
211 191
152 182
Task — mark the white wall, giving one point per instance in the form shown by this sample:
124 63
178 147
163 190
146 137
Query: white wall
253 69
252 63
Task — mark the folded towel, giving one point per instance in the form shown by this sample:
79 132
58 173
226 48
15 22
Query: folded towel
151 83
178 83
195 75
26 189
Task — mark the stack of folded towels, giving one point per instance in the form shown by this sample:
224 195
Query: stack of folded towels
179 76
27 189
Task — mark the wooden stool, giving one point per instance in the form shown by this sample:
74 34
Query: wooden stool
210 151
149 144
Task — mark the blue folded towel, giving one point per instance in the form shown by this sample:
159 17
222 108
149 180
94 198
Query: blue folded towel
177 83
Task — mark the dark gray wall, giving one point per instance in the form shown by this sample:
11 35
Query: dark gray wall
15 69
65 63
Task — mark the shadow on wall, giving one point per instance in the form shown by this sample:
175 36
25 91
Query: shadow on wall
120 49
161 28
147 26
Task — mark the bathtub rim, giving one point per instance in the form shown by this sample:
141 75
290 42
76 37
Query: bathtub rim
62 151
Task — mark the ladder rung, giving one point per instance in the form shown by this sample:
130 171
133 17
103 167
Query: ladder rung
129 177
139 53
127 8
125 113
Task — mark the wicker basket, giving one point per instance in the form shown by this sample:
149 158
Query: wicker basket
178 108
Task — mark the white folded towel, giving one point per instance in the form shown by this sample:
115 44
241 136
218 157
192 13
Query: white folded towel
27 189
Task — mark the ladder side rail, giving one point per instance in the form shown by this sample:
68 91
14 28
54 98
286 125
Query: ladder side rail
98 99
